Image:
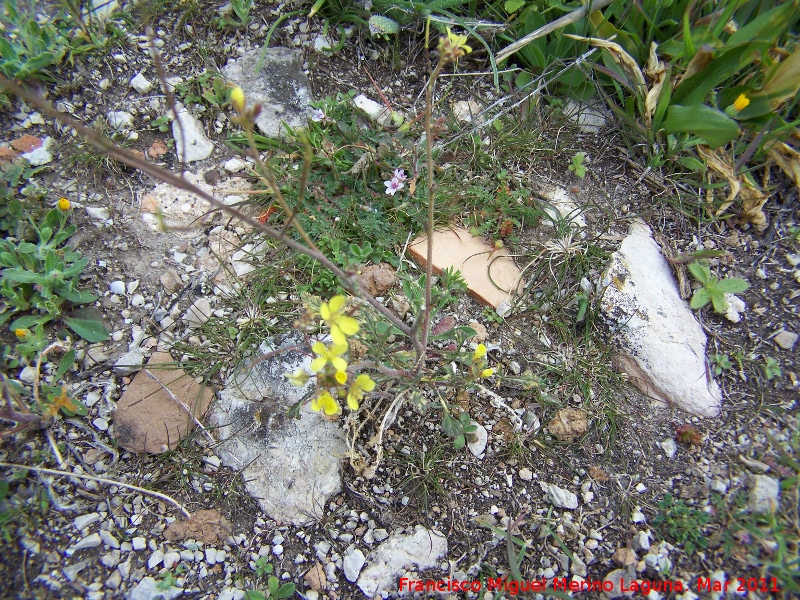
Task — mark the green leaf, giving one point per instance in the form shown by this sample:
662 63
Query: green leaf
28 322
64 365
701 272
700 299
20 276
768 26
694 90
459 442
714 126
90 330
781 83
718 300
732 285
513 6
285 591
380 25
254 595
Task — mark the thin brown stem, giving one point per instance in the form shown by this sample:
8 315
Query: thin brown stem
426 317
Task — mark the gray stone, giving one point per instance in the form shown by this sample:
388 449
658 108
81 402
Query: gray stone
120 120
669 446
141 84
71 572
786 339
641 541
293 465
620 579
98 215
764 494
129 363
150 589
424 548
85 520
559 497
664 347
281 87
478 446
198 313
90 541
191 144
352 563
589 118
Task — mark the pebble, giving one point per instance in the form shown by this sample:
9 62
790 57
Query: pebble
187 555
670 447
352 564
141 84
277 549
71 572
786 339
155 559
641 488
641 541
100 424
525 474
110 559
139 543
90 541
234 165
114 581
85 520
591 544
559 497
108 539
117 287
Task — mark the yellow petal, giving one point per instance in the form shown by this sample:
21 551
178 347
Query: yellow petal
365 382
319 348
480 352
338 336
487 372
337 303
318 364
352 401
348 325
324 311
339 363
339 349
341 376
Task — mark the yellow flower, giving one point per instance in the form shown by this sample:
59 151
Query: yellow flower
341 377
487 373
480 352
458 41
741 102
298 378
340 324
22 333
326 403
64 204
237 99
453 46
363 383
327 355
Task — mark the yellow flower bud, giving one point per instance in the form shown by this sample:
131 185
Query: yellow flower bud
480 352
64 204
237 99
487 373
741 102
21 333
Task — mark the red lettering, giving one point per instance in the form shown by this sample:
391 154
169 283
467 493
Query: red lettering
403 582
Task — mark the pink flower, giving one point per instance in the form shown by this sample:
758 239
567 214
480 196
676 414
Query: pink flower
400 175
393 185
318 115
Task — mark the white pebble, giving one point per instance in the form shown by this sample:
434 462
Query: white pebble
155 559
641 488
139 543
85 520
117 287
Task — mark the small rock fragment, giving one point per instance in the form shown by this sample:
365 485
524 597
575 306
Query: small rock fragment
559 497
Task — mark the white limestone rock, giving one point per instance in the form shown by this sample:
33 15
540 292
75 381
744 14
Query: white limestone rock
559 497
191 144
424 548
293 465
280 86
664 345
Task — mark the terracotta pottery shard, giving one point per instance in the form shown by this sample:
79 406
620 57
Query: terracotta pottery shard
490 273
152 414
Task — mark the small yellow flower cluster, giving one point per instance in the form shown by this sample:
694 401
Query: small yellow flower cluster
64 204
453 47
478 367
330 366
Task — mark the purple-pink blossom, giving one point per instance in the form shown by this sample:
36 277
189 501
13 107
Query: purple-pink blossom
400 175
393 185
318 115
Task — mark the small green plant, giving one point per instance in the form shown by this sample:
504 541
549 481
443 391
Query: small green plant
44 278
682 523
169 579
772 368
27 48
460 429
720 362
207 89
263 566
714 290
241 8
577 165
161 123
276 591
